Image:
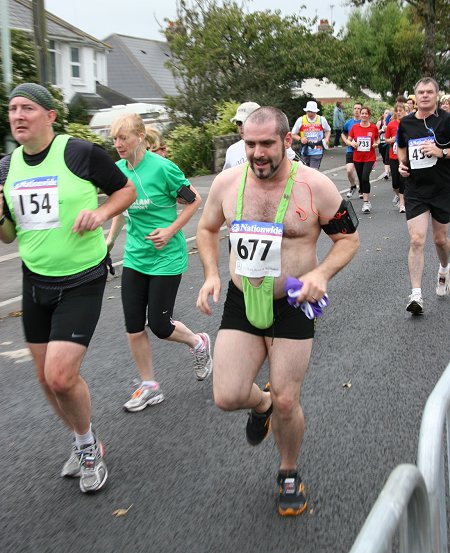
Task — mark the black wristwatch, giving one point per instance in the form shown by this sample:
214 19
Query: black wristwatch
444 153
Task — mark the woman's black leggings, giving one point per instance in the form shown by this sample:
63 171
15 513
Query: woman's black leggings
149 296
363 170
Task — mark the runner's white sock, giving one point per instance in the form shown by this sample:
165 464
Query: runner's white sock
150 384
84 439
200 346
416 291
444 270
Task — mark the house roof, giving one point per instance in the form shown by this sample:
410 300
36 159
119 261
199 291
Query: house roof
136 67
104 97
21 17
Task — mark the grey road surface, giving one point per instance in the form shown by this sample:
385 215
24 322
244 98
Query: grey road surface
183 468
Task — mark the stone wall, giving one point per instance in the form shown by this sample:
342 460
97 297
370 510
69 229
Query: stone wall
221 145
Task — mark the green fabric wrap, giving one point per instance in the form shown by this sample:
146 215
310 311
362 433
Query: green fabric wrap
259 299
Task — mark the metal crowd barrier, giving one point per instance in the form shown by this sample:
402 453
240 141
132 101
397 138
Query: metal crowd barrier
413 500
402 505
431 457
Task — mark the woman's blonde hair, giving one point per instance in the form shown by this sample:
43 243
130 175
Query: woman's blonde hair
154 139
128 123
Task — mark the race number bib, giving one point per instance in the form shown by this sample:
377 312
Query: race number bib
363 143
257 247
36 203
417 159
312 136
395 148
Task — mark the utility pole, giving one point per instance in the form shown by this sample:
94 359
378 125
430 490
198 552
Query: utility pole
40 41
6 61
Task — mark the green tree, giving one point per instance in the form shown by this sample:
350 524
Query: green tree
220 53
381 50
433 16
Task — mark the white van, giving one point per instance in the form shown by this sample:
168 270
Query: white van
152 114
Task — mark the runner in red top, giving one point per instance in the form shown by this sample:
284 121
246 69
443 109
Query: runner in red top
398 182
364 139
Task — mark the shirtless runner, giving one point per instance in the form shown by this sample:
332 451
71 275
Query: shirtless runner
275 210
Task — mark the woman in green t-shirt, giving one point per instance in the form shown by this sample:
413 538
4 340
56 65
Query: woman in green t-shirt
155 257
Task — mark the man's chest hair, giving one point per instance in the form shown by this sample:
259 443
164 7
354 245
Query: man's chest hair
262 206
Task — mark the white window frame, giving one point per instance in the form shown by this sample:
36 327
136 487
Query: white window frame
55 56
74 64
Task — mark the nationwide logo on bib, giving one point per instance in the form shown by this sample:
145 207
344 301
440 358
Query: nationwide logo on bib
254 227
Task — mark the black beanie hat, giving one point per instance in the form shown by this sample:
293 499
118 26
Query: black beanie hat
35 93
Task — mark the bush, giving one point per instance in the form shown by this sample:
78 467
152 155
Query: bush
77 130
222 125
191 149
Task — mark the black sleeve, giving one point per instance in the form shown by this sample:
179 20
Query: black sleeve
91 162
401 140
4 168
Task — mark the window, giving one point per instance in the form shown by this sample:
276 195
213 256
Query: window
95 66
54 55
75 64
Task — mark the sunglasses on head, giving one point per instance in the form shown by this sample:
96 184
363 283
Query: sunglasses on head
239 123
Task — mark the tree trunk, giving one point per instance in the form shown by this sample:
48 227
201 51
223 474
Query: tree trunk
429 57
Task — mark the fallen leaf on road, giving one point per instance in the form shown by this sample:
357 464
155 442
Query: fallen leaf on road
121 512
378 249
386 237
347 384
117 286
111 297
15 313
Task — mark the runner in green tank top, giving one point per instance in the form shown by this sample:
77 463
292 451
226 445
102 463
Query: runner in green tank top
51 206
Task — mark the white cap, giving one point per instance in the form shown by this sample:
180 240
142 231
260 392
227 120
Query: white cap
244 110
311 106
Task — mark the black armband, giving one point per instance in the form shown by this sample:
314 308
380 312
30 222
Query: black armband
345 221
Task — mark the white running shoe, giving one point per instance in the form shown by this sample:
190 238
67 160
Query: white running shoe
93 468
143 396
72 467
351 191
367 207
443 284
203 359
402 209
415 304
396 201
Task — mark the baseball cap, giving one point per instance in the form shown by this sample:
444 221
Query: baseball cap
244 110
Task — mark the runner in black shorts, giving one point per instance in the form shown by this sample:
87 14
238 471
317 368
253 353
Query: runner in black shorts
58 224
259 201
288 322
423 152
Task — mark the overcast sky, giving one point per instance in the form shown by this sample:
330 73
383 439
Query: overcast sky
143 18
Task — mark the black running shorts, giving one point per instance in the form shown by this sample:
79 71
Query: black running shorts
349 157
289 322
69 315
438 206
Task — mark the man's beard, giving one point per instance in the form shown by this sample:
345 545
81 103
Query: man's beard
273 169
